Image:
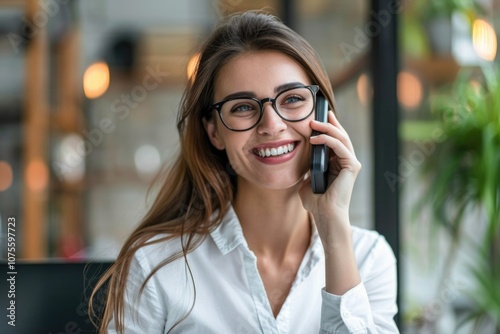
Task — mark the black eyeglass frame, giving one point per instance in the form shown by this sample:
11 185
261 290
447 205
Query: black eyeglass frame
218 106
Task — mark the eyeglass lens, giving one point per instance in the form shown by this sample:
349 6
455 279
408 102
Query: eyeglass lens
292 105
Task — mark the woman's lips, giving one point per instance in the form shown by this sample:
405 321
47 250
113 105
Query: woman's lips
275 153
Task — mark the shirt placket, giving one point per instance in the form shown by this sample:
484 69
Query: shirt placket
311 259
283 319
259 296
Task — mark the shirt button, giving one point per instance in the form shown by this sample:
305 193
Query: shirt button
346 314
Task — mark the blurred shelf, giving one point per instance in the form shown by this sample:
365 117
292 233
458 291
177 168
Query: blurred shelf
436 71
13 2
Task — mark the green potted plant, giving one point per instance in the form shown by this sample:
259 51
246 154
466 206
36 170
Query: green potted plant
436 16
464 174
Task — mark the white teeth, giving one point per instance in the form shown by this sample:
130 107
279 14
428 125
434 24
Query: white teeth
275 151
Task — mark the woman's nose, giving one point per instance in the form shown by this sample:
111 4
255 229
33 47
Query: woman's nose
271 123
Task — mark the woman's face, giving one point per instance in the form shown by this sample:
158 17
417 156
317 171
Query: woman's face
262 75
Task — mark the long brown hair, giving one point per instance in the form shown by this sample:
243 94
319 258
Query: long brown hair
200 182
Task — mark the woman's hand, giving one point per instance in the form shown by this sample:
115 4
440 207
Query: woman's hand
331 209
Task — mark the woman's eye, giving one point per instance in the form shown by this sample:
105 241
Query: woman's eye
293 99
242 108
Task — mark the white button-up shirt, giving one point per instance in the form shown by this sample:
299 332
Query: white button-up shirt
230 298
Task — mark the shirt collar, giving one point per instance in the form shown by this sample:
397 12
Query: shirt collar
228 235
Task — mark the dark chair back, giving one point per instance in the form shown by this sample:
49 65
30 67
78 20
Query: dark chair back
50 297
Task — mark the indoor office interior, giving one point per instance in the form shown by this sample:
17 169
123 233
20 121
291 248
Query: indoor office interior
89 95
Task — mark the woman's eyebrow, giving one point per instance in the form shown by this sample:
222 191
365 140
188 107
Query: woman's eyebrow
277 89
240 94
286 86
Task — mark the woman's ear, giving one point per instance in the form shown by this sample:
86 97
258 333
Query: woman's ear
212 132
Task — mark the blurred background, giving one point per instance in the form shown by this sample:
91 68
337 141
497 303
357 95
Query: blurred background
89 93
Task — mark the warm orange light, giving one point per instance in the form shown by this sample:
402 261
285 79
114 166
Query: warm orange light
364 90
192 65
6 175
37 175
96 80
484 40
410 90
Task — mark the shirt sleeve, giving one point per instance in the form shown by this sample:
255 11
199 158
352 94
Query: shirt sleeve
370 306
142 312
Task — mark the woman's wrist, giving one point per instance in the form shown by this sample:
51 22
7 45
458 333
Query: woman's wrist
333 228
340 263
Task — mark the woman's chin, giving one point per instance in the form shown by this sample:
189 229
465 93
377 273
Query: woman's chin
286 184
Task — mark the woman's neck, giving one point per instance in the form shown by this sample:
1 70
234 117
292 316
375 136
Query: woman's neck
275 223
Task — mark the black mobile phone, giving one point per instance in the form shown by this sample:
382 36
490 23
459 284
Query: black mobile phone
320 153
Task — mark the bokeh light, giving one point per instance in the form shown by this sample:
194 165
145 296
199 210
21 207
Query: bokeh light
6 175
69 161
410 90
96 80
37 175
364 90
147 160
484 40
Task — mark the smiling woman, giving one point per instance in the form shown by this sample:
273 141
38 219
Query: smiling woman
236 241
276 122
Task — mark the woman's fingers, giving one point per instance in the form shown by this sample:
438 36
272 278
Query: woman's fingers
332 118
345 156
333 129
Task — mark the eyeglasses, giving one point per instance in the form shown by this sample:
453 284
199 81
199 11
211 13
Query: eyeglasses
243 113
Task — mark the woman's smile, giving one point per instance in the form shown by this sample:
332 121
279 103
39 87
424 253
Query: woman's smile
276 152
